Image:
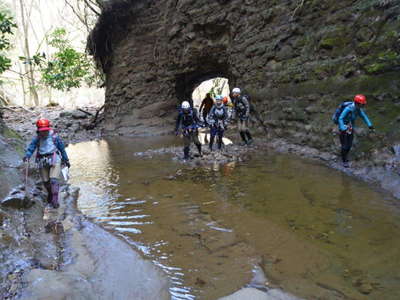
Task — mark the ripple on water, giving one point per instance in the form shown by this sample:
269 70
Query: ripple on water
314 230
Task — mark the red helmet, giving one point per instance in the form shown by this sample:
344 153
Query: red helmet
43 125
361 99
225 100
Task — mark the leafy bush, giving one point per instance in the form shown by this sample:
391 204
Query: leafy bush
6 30
67 68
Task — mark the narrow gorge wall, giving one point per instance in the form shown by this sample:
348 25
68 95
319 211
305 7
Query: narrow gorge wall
297 59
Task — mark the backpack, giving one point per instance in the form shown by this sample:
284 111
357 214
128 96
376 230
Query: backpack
339 110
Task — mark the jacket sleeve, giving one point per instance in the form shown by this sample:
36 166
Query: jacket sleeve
178 122
342 126
32 147
247 104
61 147
365 118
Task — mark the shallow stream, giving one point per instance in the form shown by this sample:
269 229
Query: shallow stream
315 232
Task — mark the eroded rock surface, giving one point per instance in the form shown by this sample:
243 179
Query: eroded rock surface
297 59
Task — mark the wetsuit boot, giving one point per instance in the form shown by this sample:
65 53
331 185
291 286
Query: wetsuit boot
211 142
186 153
243 136
219 143
47 185
344 154
55 188
249 138
199 149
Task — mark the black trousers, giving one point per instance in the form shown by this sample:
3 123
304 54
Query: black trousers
346 140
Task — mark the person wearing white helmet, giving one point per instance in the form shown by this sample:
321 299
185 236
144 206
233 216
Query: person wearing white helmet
217 120
188 123
242 113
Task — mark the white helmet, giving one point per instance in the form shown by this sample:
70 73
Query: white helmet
236 90
185 105
218 100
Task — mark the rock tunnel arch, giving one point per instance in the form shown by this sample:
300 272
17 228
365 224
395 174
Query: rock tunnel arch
185 88
155 52
186 83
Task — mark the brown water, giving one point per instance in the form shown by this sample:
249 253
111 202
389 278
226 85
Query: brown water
315 232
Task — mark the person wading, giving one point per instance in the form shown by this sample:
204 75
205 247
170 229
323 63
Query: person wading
345 117
50 155
217 120
204 109
188 122
242 113
206 106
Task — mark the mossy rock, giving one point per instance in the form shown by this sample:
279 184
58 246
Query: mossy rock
328 43
382 62
363 48
10 134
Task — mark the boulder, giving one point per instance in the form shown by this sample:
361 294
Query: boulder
396 150
77 114
66 113
17 199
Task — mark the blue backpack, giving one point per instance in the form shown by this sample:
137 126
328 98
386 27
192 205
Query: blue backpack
339 110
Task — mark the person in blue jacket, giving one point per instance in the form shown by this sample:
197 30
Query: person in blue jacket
50 155
346 123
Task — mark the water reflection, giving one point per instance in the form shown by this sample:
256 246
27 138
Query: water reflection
94 173
207 227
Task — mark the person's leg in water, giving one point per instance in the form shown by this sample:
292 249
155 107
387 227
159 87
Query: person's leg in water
44 174
241 132
55 172
245 129
197 142
186 145
213 133
346 141
205 113
220 137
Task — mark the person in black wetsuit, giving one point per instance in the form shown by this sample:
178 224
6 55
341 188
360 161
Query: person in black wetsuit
188 123
217 120
242 113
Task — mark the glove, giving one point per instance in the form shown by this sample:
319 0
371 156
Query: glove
25 159
176 132
67 164
371 128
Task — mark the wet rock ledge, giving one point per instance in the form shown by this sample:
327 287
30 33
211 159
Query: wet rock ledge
59 254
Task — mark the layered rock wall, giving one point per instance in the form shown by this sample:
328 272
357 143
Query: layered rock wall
297 59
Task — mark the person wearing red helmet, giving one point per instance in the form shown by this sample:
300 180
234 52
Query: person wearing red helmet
50 154
346 122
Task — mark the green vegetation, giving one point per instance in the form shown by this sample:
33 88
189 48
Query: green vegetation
383 61
6 30
67 67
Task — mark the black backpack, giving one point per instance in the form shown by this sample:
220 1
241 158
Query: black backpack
339 110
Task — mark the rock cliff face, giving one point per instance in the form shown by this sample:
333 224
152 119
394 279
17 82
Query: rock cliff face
297 59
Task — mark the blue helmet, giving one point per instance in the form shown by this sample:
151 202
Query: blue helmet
219 98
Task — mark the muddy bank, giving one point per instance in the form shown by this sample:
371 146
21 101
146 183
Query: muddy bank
48 252
73 126
93 264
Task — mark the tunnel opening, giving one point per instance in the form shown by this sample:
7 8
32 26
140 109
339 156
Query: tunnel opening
212 87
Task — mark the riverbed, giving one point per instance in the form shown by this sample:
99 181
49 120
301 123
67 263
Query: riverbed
315 232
